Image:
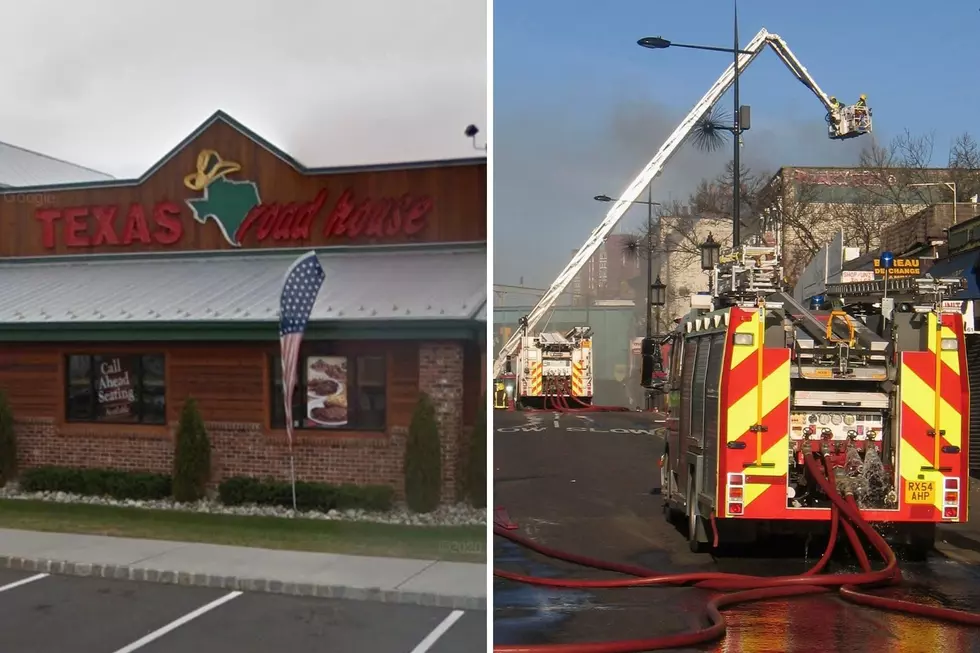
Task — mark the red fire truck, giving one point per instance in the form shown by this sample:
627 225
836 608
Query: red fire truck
876 382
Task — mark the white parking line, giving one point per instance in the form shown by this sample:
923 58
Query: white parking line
174 625
438 632
22 581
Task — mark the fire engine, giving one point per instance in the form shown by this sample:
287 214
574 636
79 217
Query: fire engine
553 365
876 381
843 122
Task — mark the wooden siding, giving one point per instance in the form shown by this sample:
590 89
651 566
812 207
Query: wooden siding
458 196
31 379
231 382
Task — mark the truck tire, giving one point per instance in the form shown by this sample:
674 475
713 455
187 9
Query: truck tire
671 514
695 524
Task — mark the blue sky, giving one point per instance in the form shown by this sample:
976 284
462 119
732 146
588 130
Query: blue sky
579 108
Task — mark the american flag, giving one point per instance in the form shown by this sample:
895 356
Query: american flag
300 288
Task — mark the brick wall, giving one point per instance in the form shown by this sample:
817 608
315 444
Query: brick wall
246 449
238 450
441 377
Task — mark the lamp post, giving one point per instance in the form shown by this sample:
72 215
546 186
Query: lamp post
650 204
948 184
740 116
658 293
710 255
659 298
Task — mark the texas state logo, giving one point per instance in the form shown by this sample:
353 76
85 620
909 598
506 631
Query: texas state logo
226 202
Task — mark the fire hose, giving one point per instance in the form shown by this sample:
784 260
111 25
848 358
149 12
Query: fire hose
558 398
844 515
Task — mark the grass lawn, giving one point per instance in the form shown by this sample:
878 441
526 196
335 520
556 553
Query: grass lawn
458 543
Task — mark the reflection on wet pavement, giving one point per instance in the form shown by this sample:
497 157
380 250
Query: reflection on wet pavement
536 615
584 485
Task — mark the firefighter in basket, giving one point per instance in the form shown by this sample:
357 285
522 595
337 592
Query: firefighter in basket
861 108
835 109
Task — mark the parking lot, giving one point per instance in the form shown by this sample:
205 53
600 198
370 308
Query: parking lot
57 614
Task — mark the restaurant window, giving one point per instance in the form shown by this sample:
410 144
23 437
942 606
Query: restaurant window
116 388
334 392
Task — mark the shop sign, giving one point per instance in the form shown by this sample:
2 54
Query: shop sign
236 209
850 276
902 267
115 391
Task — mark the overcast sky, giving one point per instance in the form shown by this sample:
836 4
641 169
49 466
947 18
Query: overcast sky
115 85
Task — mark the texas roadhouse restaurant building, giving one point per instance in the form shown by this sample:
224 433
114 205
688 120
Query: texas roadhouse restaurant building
119 299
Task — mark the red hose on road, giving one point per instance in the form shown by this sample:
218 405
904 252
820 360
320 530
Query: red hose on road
559 399
744 588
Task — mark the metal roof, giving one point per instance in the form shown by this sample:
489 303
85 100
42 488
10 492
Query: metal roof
24 168
418 284
481 315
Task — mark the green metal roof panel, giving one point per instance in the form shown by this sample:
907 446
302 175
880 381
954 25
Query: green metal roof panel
412 284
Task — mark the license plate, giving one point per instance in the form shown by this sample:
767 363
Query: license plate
920 492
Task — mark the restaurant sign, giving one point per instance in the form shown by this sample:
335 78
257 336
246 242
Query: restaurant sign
237 211
116 391
901 267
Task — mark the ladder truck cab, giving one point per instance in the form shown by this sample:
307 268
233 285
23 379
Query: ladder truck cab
876 384
555 368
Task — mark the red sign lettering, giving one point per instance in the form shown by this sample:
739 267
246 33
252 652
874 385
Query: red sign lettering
349 217
93 226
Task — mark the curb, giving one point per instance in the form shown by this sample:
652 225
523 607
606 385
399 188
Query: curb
268 586
949 552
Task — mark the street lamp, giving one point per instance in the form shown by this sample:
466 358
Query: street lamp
948 184
740 118
650 204
710 255
658 295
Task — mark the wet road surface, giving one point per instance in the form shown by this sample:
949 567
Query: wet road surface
586 483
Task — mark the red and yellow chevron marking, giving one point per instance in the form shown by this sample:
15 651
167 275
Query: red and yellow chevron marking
755 390
934 392
578 380
537 380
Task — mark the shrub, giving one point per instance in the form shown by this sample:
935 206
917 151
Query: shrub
241 490
476 462
192 455
423 459
8 443
139 486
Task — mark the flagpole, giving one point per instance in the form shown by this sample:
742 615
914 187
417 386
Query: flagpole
288 401
292 473
301 286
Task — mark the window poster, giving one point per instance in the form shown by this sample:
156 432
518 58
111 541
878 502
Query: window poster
115 388
326 390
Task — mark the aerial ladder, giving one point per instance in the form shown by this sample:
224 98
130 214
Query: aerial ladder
843 122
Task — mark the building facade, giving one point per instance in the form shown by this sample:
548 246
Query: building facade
809 205
123 299
610 272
